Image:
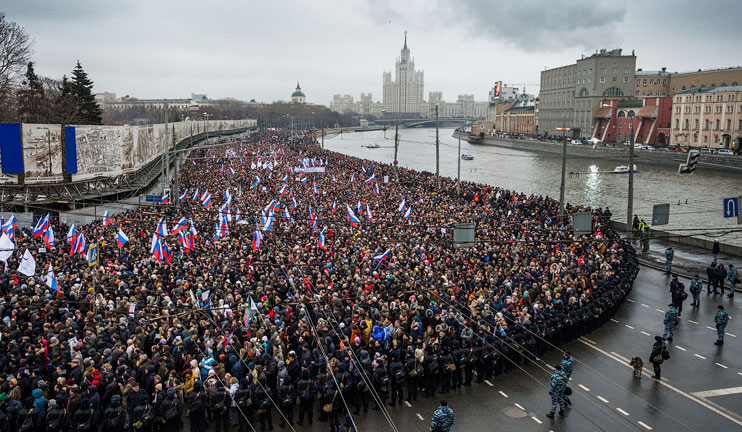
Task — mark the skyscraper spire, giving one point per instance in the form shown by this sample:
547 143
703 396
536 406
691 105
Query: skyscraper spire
405 39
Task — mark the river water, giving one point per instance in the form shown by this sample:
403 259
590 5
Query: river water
696 200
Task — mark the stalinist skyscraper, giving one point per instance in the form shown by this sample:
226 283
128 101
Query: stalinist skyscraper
405 93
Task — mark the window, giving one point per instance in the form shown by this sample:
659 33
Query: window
729 124
716 139
717 124
677 123
686 124
705 139
613 91
615 71
664 82
602 80
638 83
696 127
583 92
651 82
739 128
707 124
602 71
626 79
645 93
615 79
645 82
637 92
621 114
626 70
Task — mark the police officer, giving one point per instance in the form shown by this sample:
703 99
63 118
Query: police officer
671 320
720 319
197 402
567 366
556 390
669 255
696 286
287 399
306 390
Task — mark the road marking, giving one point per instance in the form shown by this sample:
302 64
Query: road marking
644 425
587 389
409 405
691 321
503 394
632 301
710 328
718 392
727 414
620 356
646 334
519 406
589 340
420 417
536 420
628 326
615 321
729 334
721 365
680 348
660 310
549 366
739 373
622 411
489 383
602 399
700 356
646 306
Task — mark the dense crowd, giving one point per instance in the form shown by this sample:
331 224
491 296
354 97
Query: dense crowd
293 311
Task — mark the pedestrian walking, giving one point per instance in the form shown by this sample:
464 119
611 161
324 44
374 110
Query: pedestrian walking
568 363
711 275
669 255
715 249
658 356
733 277
556 390
442 418
720 319
671 320
696 286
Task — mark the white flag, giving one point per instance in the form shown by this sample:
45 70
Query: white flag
28 264
6 248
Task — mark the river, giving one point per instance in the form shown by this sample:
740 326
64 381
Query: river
696 200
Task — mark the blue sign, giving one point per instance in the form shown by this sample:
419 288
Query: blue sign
93 255
731 207
153 198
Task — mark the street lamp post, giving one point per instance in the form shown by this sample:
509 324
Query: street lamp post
630 200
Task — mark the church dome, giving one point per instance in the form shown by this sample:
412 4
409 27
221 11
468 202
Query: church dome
298 92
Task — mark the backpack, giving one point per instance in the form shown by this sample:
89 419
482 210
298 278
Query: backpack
28 422
399 374
196 403
384 380
220 406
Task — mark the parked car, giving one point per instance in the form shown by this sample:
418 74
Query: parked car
704 150
726 152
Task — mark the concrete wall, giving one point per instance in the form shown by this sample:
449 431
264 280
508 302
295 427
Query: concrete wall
681 239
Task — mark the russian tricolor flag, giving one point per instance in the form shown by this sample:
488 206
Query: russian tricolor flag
370 179
51 282
257 239
79 245
184 196
206 200
401 206
383 256
121 238
49 237
106 219
40 227
180 226
354 221
407 213
165 199
376 189
368 212
321 241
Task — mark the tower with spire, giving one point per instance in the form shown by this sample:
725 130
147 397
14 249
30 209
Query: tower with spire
298 96
404 95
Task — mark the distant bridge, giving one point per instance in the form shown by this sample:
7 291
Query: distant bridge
427 122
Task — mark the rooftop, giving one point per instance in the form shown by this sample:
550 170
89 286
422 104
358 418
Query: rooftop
725 89
730 68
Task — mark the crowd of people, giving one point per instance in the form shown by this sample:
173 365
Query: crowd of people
310 288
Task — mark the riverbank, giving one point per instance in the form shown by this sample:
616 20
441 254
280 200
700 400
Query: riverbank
619 154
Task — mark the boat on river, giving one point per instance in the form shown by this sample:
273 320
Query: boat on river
623 169
372 146
467 156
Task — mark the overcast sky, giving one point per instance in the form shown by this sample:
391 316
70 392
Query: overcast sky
260 49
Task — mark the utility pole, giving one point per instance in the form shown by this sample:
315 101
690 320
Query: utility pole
564 171
458 172
437 150
323 137
167 151
176 192
396 149
630 205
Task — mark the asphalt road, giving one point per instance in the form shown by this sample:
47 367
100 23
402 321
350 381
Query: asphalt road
701 386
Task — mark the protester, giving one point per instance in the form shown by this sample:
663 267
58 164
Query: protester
275 284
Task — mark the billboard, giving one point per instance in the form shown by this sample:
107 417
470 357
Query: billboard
498 87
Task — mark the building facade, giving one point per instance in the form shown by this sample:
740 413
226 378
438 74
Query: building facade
652 83
571 95
406 93
708 117
648 119
731 76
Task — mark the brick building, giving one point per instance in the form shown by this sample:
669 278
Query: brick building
519 118
648 119
708 117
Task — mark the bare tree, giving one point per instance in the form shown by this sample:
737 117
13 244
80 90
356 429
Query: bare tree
15 53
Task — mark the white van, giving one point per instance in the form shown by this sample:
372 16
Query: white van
725 152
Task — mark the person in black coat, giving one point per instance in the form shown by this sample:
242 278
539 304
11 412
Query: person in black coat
57 417
115 418
306 390
656 356
197 402
84 419
220 403
171 412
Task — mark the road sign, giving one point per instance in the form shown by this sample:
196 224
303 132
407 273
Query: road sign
153 198
661 214
463 235
583 223
731 207
93 255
